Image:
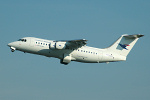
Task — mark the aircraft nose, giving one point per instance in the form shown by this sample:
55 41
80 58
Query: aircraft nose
9 44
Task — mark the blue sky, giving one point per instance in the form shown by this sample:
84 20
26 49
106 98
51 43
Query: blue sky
33 77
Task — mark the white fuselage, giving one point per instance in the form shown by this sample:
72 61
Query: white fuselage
83 54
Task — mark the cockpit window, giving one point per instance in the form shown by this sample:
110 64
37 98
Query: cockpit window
23 40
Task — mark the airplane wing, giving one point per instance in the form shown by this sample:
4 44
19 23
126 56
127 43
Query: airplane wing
75 43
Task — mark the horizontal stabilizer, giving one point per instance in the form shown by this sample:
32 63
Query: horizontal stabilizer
133 36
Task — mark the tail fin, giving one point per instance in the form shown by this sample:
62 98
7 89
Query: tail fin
124 44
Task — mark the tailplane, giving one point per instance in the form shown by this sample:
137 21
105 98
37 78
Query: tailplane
124 44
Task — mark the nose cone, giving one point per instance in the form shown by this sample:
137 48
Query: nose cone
10 44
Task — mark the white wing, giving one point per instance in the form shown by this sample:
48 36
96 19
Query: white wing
74 43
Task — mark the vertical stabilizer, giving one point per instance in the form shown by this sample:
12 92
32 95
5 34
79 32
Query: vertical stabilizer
124 44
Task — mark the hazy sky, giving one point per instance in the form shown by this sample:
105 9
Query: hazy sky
26 76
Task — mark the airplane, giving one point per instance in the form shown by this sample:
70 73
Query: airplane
76 50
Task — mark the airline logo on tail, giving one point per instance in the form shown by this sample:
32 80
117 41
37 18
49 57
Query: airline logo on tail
124 46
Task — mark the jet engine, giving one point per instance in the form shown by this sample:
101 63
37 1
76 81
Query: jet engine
57 45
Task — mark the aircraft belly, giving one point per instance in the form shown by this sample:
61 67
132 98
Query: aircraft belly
88 58
108 57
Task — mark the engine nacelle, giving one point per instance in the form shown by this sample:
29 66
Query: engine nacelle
52 45
60 45
57 45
